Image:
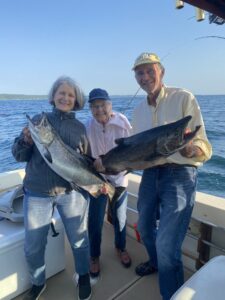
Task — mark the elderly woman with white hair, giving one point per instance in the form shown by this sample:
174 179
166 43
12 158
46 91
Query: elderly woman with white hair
44 189
103 128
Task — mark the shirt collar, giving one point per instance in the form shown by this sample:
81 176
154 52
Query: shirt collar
160 96
63 115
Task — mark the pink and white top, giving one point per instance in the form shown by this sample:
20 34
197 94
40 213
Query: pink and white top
102 139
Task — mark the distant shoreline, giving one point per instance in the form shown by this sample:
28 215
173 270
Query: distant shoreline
44 97
22 97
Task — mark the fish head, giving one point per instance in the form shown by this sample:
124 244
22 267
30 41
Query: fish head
175 136
41 130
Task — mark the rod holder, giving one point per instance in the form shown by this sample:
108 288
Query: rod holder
179 4
200 14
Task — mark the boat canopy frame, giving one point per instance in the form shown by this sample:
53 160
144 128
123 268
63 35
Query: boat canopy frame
216 7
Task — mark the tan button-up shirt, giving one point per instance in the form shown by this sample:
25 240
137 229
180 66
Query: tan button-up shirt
173 104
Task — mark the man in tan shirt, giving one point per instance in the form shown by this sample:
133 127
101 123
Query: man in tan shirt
170 185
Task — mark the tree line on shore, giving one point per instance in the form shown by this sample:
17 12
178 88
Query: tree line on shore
22 97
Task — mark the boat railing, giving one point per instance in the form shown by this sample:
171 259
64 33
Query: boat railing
206 233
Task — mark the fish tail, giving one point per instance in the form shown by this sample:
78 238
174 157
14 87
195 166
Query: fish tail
111 191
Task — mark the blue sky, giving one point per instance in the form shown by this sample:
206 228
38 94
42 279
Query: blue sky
96 43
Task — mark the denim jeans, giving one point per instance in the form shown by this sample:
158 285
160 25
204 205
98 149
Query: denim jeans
73 209
173 189
96 219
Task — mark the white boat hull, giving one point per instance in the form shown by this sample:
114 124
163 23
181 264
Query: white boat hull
205 239
14 277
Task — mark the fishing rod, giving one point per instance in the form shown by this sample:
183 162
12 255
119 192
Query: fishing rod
210 36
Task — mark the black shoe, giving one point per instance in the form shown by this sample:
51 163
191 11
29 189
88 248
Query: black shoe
35 292
145 268
94 267
84 287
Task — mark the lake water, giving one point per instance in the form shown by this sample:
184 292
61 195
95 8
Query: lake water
211 175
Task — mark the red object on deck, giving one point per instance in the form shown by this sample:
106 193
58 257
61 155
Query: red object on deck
138 237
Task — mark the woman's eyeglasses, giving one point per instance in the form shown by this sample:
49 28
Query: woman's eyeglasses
97 106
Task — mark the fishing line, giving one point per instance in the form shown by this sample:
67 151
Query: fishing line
130 101
210 36
188 43
165 56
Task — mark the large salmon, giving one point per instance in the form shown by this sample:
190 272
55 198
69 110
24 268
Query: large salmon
71 165
145 149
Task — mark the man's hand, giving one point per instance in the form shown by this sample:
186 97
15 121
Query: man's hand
190 150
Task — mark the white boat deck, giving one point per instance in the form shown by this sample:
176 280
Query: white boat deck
116 282
204 240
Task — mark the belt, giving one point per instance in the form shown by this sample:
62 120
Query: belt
172 165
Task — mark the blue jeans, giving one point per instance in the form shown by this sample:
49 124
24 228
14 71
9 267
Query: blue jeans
73 209
173 189
96 219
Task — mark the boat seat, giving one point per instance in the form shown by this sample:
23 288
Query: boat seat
206 284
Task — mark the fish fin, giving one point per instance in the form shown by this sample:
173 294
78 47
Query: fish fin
111 172
109 214
128 171
127 141
119 141
112 202
119 191
47 155
111 191
75 186
92 159
109 217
